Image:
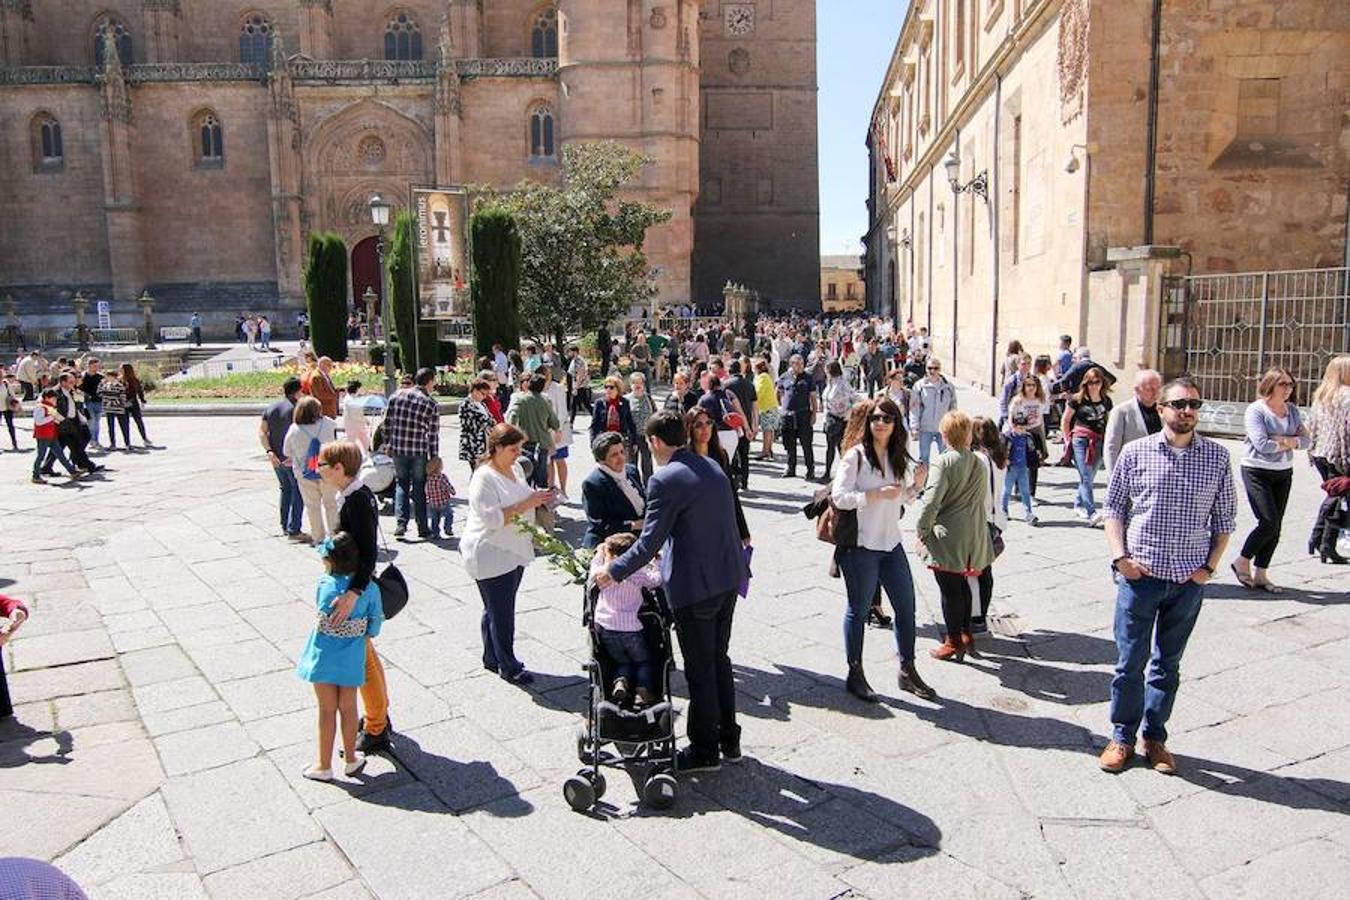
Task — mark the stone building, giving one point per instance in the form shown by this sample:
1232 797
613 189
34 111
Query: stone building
841 284
1046 167
188 147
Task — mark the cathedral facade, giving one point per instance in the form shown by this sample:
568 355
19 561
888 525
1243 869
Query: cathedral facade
189 147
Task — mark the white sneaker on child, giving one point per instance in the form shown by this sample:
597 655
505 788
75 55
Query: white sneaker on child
314 773
355 766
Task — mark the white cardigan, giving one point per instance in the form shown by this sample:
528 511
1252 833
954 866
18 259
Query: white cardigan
492 546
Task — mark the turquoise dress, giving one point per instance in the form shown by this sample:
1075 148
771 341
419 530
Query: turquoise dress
332 659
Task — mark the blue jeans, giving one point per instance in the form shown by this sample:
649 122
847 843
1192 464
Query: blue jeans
1086 474
441 514
631 655
95 410
292 506
1020 477
926 440
499 622
50 448
863 569
1139 605
410 473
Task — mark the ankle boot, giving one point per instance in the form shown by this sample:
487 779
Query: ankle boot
950 649
857 684
911 682
1328 552
968 644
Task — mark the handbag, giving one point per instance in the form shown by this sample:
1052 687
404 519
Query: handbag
393 586
833 525
995 533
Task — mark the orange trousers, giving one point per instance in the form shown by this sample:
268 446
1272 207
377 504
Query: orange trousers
374 693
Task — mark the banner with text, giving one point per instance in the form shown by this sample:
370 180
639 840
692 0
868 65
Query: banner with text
442 252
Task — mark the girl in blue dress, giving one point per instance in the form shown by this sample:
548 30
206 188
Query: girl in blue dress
334 658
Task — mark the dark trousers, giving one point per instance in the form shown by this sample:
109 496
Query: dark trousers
1327 527
9 423
134 411
124 420
956 599
6 705
197 336
29 389
742 461
73 444
797 429
499 622
834 437
704 630
1268 494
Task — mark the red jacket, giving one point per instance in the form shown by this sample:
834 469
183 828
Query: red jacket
9 604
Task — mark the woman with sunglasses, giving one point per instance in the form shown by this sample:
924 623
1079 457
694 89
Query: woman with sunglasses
1274 431
613 413
874 478
1084 428
703 441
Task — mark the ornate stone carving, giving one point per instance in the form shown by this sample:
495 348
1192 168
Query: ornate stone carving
116 95
299 67
155 72
363 69
1073 58
370 153
173 6
658 18
508 67
739 61
48 75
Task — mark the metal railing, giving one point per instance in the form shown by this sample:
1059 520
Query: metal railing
1225 331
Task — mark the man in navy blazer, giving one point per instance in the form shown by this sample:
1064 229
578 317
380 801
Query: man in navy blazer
691 521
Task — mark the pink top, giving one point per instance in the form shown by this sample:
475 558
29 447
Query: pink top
9 604
617 608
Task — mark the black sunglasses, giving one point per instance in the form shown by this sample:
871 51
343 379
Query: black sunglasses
882 418
1179 405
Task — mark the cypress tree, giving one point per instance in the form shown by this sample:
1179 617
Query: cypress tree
316 293
496 279
335 297
400 290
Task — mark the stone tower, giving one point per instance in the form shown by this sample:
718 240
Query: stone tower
758 214
631 74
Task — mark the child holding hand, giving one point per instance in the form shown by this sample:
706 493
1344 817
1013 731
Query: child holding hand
618 626
334 658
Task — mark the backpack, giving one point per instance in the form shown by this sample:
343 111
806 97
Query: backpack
311 469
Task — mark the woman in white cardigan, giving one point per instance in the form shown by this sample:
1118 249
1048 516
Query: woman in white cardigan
320 498
495 551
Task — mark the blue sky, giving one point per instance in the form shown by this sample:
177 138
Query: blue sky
855 41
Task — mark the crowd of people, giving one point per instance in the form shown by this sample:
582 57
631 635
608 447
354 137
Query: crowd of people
663 506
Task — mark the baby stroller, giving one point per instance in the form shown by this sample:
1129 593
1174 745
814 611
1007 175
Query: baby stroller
644 738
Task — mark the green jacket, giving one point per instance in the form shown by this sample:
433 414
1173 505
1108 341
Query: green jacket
954 526
534 415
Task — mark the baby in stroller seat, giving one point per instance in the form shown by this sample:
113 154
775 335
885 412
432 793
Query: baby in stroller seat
619 629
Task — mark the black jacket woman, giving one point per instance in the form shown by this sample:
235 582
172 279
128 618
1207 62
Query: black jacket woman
612 495
703 441
611 413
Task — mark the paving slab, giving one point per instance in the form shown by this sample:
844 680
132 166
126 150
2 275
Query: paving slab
288 875
141 839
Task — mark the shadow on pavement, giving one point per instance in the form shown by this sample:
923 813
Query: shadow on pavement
16 737
1238 592
459 785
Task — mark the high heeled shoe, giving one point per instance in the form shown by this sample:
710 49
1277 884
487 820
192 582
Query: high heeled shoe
1331 557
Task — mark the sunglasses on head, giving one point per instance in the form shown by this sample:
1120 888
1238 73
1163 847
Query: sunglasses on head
883 418
1179 405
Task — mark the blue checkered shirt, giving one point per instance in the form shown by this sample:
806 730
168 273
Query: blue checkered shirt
1172 504
412 425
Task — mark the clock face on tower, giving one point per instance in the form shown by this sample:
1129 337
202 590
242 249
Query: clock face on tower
738 19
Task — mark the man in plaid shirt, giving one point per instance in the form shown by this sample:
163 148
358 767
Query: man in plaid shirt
1169 511
412 435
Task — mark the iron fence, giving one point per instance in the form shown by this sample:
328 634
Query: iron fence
1225 331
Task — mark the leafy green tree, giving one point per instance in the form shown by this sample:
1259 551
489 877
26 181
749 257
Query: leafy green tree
325 280
582 258
496 278
399 263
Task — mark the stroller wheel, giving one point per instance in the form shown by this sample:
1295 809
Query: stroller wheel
579 793
598 784
584 752
659 791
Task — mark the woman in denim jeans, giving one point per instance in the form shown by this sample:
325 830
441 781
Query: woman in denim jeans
1084 425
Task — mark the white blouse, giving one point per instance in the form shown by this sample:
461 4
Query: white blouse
492 546
878 520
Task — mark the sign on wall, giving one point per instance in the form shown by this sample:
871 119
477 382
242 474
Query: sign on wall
442 241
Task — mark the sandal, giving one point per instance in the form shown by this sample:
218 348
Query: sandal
1244 580
1268 587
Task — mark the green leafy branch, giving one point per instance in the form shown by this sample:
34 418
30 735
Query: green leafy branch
575 562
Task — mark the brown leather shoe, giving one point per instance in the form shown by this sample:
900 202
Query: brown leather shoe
968 644
1116 757
948 650
1159 758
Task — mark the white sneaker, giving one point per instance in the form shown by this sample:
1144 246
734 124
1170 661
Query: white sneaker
1080 512
1097 520
355 766
1032 520
314 773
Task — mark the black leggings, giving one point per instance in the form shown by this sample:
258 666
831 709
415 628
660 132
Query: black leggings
134 411
1268 494
955 589
9 423
118 419
834 437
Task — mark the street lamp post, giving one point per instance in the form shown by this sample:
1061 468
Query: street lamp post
978 185
379 214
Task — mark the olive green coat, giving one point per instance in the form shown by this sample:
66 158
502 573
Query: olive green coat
954 525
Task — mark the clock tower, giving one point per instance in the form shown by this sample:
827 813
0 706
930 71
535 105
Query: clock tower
757 220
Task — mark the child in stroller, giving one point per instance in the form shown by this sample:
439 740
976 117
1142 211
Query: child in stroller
628 697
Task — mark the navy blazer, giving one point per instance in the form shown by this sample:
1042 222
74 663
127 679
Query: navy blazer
608 509
691 521
600 415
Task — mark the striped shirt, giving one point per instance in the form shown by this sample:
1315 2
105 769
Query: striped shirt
1172 502
618 605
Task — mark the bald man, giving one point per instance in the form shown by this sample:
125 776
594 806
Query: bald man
1136 418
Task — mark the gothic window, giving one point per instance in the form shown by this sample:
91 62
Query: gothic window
544 35
255 40
48 154
208 141
402 38
541 133
121 36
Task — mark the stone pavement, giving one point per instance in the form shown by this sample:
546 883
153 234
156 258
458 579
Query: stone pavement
161 730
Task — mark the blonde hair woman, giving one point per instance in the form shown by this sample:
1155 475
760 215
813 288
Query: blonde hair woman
1329 430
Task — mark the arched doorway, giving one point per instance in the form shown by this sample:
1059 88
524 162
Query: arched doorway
366 273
